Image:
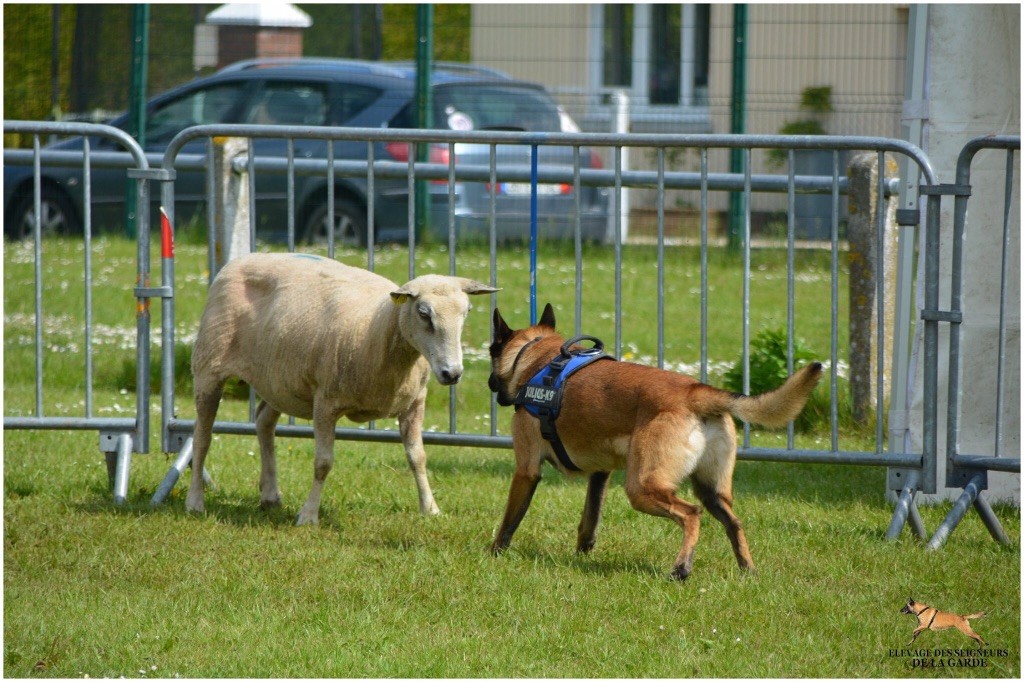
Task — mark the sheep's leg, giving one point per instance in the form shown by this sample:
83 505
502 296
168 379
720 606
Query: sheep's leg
411 426
266 421
208 394
323 436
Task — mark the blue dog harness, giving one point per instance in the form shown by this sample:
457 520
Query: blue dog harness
541 396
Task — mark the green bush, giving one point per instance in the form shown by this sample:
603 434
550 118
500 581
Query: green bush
768 362
768 370
126 379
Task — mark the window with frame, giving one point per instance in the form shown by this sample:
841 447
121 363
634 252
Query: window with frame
660 52
215 104
281 103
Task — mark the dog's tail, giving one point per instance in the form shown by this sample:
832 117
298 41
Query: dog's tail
979 614
773 409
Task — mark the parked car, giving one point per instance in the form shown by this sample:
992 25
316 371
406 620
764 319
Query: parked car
335 92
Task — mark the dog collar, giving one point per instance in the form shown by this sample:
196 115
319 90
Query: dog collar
541 396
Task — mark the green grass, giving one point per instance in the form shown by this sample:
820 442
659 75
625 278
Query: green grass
379 591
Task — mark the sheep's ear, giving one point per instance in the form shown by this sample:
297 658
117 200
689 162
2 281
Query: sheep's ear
401 296
547 318
473 288
500 331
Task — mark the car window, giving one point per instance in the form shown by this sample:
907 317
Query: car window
487 107
349 100
289 104
209 105
495 107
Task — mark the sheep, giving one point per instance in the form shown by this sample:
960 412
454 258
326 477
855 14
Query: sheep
321 340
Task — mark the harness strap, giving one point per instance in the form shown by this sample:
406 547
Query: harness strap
542 395
556 445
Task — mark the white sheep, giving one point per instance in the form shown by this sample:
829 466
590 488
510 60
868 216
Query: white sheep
321 340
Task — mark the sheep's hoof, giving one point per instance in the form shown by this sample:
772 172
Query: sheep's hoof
197 510
270 504
307 520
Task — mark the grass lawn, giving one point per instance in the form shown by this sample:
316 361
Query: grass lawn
379 591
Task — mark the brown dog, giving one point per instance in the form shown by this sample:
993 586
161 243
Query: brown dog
930 618
660 426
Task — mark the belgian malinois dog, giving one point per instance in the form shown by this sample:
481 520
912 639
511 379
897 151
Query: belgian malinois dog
660 426
930 618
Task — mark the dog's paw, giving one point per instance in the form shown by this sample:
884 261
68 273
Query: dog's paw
585 547
679 573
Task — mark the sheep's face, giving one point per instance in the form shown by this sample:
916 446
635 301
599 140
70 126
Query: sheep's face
433 311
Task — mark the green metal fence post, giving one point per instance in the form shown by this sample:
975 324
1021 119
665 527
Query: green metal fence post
424 67
137 103
738 117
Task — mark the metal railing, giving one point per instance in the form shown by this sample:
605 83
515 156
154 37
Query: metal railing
119 436
909 472
371 170
963 470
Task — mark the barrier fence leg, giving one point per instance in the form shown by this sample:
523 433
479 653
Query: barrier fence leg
124 463
988 517
899 515
956 514
905 507
182 462
173 474
916 523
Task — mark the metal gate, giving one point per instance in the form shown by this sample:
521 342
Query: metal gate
918 467
119 437
908 472
966 470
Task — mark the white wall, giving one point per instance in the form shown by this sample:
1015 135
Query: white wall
973 89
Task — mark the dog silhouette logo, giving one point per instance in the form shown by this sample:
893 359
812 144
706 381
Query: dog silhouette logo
930 618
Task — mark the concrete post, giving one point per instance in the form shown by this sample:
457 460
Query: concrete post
231 201
864 270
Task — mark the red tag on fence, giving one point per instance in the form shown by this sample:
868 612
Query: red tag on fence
166 234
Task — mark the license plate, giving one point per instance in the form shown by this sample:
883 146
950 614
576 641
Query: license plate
522 189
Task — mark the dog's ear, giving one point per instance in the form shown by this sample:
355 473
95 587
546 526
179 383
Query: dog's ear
500 331
547 318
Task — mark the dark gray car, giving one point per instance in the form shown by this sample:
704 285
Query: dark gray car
334 92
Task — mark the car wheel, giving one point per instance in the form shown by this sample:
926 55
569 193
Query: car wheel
349 224
57 216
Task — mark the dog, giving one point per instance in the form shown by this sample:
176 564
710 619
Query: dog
930 618
660 426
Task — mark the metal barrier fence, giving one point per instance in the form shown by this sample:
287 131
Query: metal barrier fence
970 471
909 472
177 432
119 437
